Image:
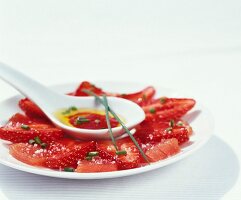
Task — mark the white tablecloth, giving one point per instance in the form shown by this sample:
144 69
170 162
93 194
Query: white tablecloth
192 46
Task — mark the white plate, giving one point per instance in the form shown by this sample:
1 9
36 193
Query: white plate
200 118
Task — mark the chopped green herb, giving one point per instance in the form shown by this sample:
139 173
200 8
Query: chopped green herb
67 111
73 108
31 141
25 127
81 120
88 158
123 95
169 129
69 169
43 145
179 123
123 152
93 153
152 110
37 140
172 123
163 99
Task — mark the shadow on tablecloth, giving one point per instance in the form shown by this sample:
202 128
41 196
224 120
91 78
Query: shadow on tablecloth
208 174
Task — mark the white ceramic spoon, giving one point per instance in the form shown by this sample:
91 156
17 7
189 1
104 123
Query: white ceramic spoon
50 102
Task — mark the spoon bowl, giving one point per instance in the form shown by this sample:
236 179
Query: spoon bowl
49 101
123 107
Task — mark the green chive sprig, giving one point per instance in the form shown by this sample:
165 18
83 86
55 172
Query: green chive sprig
108 121
69 169
172 123
179 123
38 141
120 122
169 129
93 153
163 99
123 152
25 127
81 120
68 111
152 110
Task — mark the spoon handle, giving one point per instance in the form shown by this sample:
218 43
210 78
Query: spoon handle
27 86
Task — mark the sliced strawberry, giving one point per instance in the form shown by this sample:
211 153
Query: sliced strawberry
152 131
61 154
19 119
181 134
58 145
68 156
16 134
88 86
130 160
169 108
97 164
162 150
170 147
31 109
29 154
153 152
106 150
142 98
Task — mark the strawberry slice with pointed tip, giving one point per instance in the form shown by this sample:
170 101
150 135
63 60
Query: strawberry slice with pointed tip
161 150
142 97
32 110
68 156
21 128
23 133
18 119
87 86
96 165
29 154
169 108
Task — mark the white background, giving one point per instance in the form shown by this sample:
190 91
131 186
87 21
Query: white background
189 45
